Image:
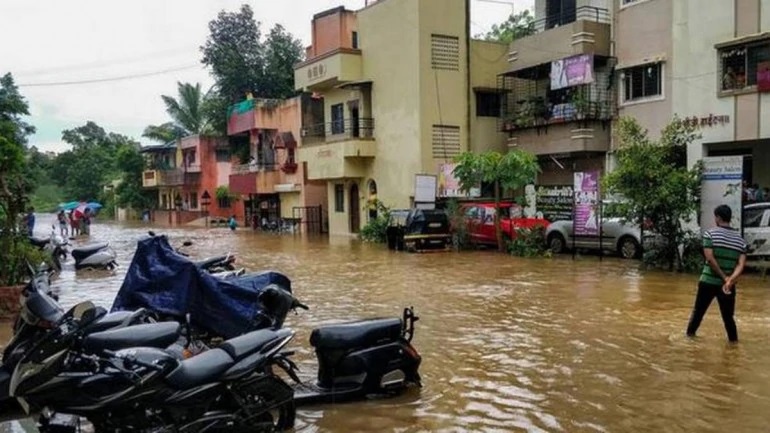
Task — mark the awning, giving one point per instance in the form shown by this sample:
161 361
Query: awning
354 84
285 140
757 37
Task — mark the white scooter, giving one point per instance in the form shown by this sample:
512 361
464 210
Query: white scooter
55 245
95 256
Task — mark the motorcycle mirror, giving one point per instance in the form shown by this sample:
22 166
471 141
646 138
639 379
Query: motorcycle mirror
187 243
151 233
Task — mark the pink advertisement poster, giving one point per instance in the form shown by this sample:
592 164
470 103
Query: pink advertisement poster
586 189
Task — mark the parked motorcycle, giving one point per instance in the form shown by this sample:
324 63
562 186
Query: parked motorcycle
355 359
55 245
144 389
95 256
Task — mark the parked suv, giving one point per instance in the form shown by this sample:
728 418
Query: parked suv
480 221
617 235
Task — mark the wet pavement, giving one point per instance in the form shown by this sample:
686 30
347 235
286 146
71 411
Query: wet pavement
508 344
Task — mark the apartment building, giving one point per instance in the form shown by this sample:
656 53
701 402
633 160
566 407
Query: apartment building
272 186
397 84
559 89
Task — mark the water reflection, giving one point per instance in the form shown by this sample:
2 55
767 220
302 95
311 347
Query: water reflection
509 344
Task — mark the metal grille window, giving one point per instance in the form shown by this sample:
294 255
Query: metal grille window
445 52
446 141
339 197
643 82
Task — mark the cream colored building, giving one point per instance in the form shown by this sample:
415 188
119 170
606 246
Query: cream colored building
398 101
707 61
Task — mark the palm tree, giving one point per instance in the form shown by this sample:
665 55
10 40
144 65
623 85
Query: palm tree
189 110
164 133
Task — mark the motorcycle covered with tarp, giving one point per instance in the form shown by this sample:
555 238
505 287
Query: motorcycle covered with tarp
163 281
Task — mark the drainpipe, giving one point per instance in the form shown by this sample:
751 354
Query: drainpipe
468 95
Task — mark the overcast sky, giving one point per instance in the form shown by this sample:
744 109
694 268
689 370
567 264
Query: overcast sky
55 41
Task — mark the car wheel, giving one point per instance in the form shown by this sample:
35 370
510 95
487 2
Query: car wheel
556 243
629 248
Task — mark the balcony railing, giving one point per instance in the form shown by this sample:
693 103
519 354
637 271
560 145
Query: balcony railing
192 168
530 103
351 128
585 13
253 168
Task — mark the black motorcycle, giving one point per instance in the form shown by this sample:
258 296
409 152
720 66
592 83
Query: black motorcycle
355 359
143 389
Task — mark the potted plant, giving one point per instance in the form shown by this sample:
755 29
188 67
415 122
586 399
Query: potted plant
582 104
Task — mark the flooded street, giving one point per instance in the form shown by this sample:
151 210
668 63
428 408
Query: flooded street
508 344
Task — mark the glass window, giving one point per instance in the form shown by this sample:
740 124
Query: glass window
338 119
487 104
739 65
752 217
642 82
339 197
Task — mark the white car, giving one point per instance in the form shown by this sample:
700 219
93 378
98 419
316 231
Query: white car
617 236
756 229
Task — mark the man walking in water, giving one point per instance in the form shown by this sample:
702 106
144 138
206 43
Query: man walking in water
725 252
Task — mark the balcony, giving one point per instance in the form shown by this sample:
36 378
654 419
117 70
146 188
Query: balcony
338 149
254 179
328 70
589 136
161 178
585 30
531 103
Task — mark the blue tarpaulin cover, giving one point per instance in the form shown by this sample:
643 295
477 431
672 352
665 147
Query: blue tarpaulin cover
164 281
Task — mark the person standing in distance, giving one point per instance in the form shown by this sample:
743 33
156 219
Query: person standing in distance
725 252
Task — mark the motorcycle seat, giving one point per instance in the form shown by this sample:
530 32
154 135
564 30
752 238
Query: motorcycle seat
83 252
200 369
356 334
159 335
39 242
109 321
204 264
247 344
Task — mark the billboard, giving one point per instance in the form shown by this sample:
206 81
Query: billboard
586 193
554 202
449 185
721 184
572 71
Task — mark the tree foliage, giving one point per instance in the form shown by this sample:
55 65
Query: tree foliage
92 162
655 183
15 182
509 171
517 26
129 193
241 61
188 109
164 132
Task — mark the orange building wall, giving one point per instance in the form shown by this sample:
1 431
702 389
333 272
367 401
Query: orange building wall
331 32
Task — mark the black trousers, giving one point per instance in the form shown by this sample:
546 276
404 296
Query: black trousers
706 294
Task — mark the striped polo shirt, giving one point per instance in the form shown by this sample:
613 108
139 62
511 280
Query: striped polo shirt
728 245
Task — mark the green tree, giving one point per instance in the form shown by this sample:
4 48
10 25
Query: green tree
241 61
129 192
655 183
509 171
164 132
15 184
188 110
517 26
92 162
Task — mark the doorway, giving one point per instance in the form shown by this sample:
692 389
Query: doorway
355 209
354 122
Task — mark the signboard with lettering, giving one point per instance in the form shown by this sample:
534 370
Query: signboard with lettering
721 184
586 189
449 185
572 71
554 202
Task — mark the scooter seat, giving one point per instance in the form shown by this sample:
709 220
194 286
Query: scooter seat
39 242
243 346
159 335
356 334
83 252
200 369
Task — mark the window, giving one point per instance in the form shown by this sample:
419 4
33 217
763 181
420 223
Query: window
445 52
739 65
354 41
193 201
446 141
339 197
223 202
487 104
290 156
753 217
338 119
223 155
642 82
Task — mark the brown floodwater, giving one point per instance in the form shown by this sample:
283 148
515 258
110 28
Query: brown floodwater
508 344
